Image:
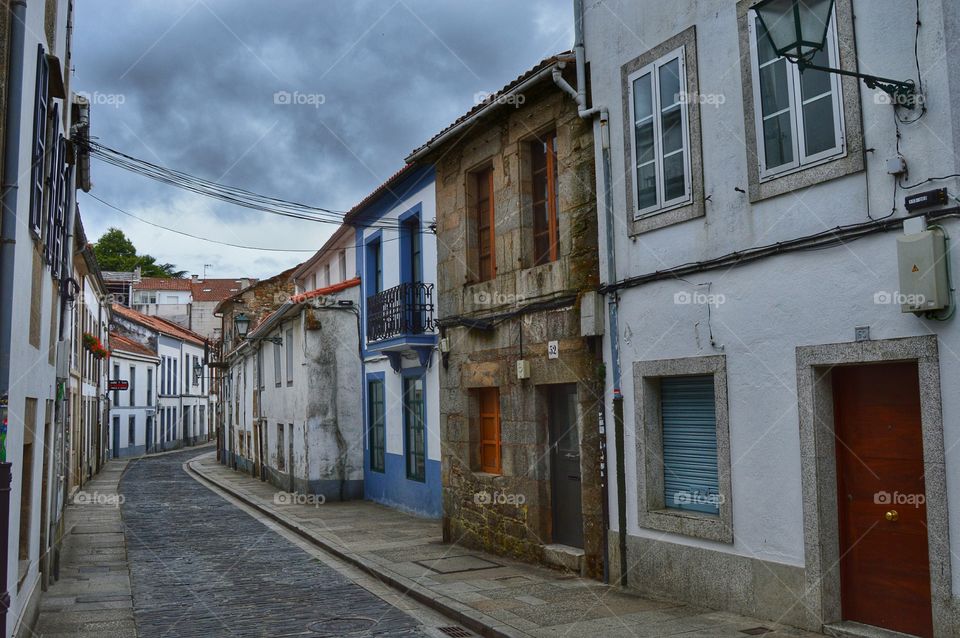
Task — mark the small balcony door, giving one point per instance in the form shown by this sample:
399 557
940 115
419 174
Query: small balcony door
411 271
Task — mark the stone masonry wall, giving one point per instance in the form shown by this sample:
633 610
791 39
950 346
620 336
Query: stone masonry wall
483 358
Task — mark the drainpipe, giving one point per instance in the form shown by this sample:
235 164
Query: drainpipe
8 237
579 95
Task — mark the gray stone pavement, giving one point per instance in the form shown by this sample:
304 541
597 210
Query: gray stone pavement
92 599
492 595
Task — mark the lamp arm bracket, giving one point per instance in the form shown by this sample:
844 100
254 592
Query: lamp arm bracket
903 93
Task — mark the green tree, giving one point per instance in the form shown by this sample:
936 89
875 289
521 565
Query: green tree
115 251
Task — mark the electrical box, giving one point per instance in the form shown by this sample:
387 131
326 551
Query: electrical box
523 369
924 283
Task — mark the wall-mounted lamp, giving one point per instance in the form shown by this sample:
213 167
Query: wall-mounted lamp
197 371
242 324
797 30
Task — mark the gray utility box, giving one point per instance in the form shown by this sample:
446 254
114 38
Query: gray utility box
923 271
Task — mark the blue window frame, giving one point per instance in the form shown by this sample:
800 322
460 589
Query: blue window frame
414 428
689 422
376 417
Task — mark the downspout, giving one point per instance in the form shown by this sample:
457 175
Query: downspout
8 236
579 94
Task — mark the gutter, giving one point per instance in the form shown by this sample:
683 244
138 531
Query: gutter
579 95
499 100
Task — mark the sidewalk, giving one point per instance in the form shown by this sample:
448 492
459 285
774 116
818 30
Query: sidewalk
92 599
491 595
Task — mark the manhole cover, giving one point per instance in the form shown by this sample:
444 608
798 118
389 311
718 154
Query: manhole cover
341 626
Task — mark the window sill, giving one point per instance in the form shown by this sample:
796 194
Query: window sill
687 523
675 214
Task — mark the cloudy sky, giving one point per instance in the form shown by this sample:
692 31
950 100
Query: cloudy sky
190 84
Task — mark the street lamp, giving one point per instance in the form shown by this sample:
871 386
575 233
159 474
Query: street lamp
197 371
242 324
797 30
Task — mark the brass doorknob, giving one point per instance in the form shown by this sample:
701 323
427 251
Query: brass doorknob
892 515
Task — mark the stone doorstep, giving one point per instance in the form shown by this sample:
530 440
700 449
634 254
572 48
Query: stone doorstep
463 614
564 557
850 629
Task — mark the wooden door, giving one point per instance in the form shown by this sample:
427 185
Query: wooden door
884 564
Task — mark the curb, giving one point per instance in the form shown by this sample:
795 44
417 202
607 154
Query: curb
467 616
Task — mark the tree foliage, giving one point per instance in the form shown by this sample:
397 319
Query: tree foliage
115 251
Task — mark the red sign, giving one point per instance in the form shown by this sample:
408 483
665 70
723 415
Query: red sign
118 385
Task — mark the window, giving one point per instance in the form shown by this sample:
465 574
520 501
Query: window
132 388
261 382
149 387
376 426
374 265
488 412
281 456
413 422
326 274
799 116
412 250
39 141
277 372
688 419
481 183
173 419
116 377
174 388
163 425
661 157
683 447
543 173
288 340
342 258
131 431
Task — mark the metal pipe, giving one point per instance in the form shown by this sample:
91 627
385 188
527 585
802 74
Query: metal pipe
579 94
8 236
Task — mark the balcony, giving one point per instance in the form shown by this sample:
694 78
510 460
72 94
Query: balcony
401 318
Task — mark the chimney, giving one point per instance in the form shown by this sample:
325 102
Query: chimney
194 278
244 283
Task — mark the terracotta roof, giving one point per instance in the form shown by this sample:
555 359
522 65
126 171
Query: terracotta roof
328 290
493 100
123 344
160 325
162 283
218 289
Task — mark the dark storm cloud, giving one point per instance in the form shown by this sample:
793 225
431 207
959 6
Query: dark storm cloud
198 80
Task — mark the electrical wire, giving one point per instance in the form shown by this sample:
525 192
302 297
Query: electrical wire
228 194
927 181
212 241
916 57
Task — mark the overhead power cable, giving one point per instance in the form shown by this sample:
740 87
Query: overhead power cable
212 241
229 194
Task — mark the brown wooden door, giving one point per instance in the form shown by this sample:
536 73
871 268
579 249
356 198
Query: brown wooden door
884 564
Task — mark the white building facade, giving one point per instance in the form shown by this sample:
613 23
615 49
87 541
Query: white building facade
784 424
133 410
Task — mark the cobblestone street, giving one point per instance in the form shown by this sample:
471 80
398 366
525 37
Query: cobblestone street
201 567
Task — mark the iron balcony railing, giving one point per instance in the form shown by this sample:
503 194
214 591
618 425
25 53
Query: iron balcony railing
406 309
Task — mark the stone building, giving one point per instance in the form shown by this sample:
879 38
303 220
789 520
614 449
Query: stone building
519 381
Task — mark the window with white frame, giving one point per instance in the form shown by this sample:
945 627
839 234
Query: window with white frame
661 149
799 116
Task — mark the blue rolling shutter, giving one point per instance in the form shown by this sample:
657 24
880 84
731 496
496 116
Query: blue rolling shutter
688 417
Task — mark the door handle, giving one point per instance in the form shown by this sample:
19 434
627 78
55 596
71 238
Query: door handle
892 516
